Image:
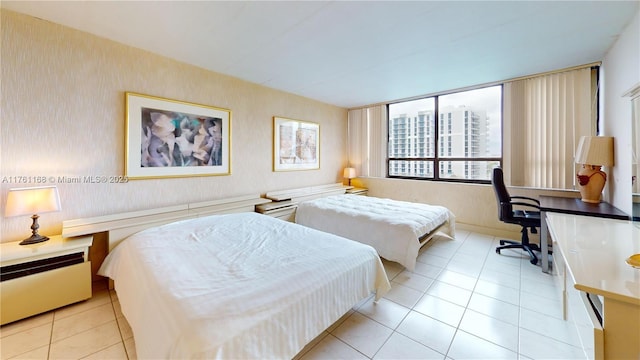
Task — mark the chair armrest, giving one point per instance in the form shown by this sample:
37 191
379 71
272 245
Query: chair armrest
526 198
525 204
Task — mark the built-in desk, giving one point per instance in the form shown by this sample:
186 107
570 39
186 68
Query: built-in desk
573 206
593 252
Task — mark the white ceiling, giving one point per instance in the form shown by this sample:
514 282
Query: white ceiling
354 53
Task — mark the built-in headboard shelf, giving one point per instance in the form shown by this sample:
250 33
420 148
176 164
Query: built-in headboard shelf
308 193
121 225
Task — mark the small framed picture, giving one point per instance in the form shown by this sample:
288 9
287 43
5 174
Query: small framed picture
296 145
171 138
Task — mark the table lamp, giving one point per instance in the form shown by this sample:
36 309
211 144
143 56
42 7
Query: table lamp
349 173
32 201
593 153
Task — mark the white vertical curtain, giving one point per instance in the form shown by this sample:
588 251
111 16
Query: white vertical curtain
357 151
548 114
635 145
512 127
378 139
367 141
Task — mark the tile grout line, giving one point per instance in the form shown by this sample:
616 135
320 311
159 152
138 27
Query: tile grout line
126 351
468 301
394 330
473 291
53 320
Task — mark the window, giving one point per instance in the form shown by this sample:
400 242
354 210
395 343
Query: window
463 145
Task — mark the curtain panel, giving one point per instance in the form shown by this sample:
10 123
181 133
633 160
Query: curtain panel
544 118
367 137
357 151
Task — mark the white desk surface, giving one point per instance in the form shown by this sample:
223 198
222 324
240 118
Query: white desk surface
595 250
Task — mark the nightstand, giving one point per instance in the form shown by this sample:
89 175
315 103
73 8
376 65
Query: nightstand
44 276
357 191
283 210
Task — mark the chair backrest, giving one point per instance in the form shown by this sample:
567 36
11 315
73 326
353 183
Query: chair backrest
505 210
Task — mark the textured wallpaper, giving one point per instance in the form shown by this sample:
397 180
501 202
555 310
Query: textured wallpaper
63 115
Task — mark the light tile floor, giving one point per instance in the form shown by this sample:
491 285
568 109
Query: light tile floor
463 301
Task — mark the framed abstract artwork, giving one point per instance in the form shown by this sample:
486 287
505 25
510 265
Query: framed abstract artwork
296 145
171 138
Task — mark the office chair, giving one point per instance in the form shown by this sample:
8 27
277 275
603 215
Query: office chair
525 218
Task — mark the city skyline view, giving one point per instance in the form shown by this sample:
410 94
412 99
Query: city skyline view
469 126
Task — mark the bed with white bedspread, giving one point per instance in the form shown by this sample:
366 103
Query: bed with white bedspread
396 229
237 286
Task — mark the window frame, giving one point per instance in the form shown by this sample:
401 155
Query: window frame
435 137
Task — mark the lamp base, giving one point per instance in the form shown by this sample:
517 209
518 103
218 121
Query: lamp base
34 239
591 180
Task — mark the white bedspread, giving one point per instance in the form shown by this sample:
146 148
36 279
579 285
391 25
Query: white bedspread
238 286
392 227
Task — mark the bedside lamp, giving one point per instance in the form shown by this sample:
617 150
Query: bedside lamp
593 153
32 201
349 173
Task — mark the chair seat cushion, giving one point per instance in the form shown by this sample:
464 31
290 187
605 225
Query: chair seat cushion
526 214
525 218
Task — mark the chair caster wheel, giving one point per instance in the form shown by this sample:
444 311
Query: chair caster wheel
534 261
497 251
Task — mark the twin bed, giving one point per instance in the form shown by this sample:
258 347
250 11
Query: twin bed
237 286
396 229
216 280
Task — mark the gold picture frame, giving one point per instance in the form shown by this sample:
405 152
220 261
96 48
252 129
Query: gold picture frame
171 138
296 145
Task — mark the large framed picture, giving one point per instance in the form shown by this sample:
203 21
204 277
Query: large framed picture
296 145
171 138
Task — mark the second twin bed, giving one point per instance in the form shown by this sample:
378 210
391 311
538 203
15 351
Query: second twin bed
396 229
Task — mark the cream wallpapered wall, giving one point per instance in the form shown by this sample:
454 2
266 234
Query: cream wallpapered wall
62 115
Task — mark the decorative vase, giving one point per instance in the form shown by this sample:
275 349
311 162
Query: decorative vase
591 180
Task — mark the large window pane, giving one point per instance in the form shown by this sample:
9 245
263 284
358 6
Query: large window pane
411 168
453 137
411 129
471 123
467 170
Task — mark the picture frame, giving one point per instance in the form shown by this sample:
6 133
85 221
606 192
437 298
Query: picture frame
296 145
171 138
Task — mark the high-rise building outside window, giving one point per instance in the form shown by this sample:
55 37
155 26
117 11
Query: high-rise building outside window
463 145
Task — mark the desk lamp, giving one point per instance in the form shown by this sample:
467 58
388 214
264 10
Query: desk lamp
349 173
593 153
32 201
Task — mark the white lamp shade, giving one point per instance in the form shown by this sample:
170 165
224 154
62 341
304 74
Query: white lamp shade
349 173
595 150
31 201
